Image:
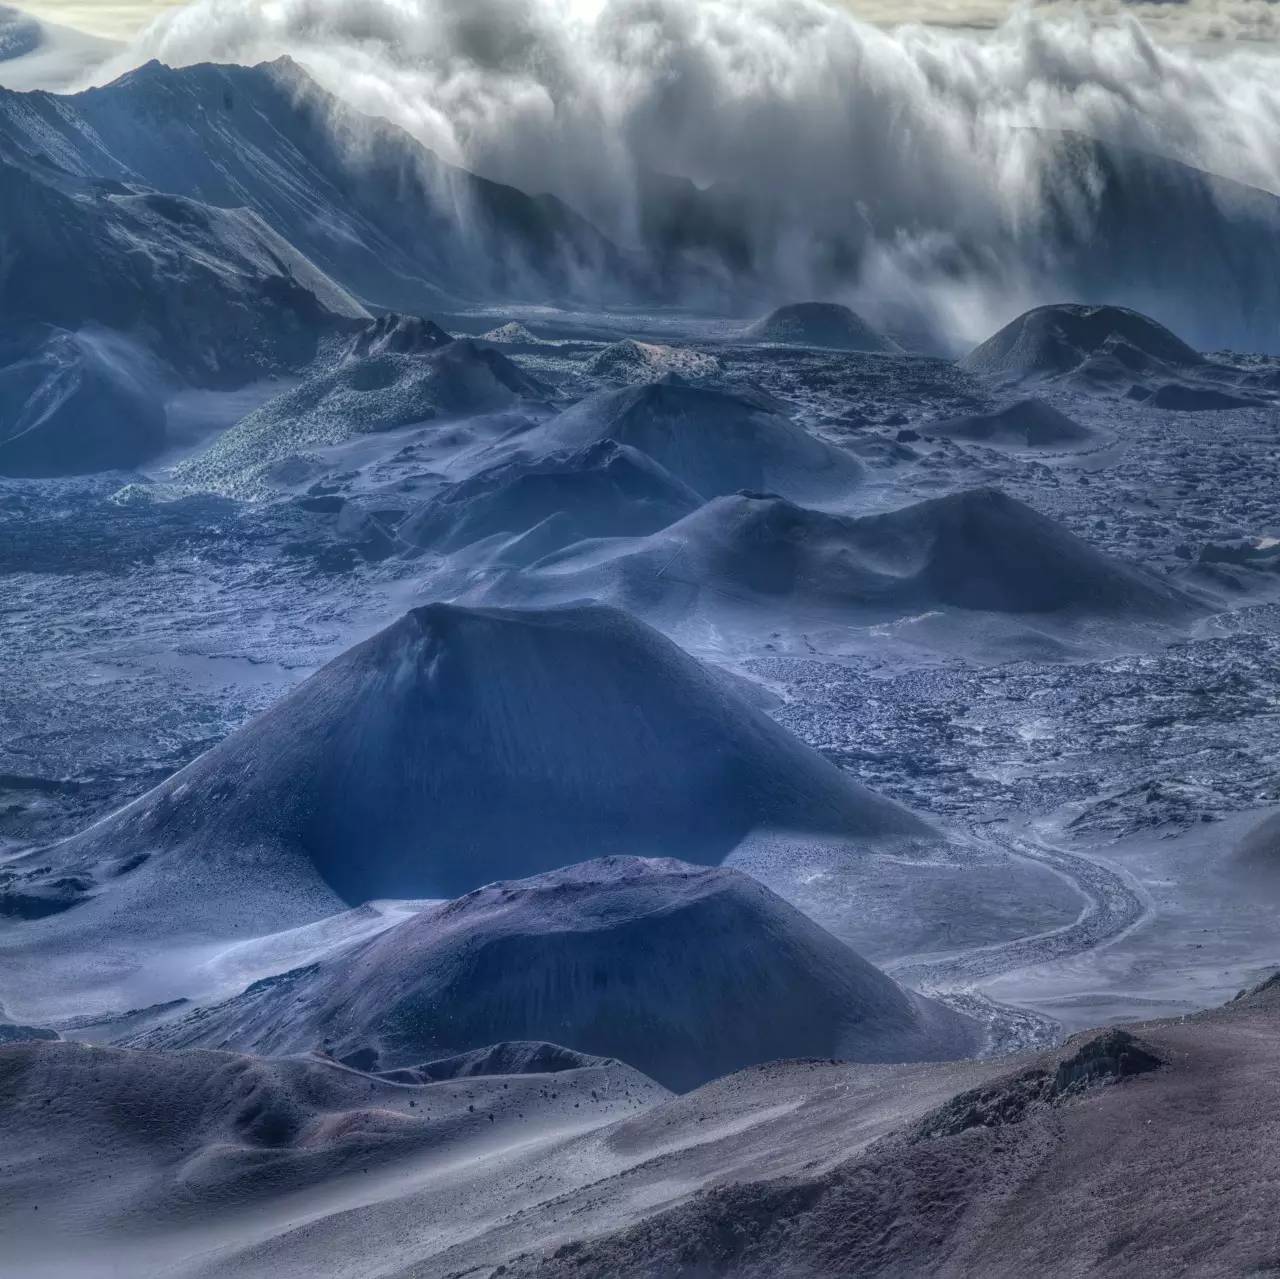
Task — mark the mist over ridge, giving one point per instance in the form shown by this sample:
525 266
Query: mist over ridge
793 148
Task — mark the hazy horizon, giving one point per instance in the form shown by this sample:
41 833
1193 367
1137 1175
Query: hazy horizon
1199 20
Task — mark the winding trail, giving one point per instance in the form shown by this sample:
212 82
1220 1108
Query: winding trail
1113 905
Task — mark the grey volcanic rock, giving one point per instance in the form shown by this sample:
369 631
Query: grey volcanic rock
456 747
819 324
713 441
979 549
602 490
72 404
1051 341
686 972
1029 423
377 387
214 292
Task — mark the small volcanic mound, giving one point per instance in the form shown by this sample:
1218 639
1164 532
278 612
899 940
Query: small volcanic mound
1028 424
685 972
1181 397
68 408
376 389
713 441
825 325
513 333
631 361
979 549
603 490
1052 341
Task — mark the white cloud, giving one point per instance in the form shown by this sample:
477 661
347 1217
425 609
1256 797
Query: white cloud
826 126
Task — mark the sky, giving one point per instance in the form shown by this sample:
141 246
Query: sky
1194 19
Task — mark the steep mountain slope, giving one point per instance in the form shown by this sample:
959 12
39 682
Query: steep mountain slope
214 292
1208 274
1211 273
74 403
686 972
372 208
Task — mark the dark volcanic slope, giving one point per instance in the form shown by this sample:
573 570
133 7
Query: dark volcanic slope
1129 1153
1050 341
602 490
456 747
387 218
1030 424
685 972
70 404
215 292
713 441
978 549
819 324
